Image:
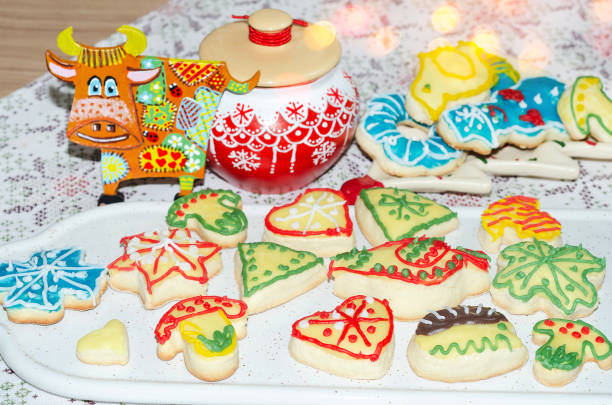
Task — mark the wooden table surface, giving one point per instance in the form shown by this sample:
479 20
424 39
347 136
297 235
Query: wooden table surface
29 27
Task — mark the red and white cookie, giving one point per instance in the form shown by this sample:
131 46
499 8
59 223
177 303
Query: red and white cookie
317 221
355 340
205 329
164 266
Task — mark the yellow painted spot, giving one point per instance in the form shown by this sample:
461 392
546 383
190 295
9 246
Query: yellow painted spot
580 97
583 86
579 107
487 39
581 122
445 18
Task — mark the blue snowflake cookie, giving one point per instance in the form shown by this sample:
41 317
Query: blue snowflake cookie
38 290
414 151
524 115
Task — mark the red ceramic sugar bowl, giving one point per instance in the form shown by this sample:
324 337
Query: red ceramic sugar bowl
299 119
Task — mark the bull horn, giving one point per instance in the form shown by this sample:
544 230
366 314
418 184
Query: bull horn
67 44
136 41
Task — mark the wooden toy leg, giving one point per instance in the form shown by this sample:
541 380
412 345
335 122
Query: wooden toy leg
111 195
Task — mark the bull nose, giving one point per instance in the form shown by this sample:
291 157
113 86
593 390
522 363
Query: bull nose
110 127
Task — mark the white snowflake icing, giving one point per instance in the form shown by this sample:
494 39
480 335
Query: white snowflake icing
245 160
323 152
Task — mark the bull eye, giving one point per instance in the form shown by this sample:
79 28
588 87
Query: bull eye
110 87
94 87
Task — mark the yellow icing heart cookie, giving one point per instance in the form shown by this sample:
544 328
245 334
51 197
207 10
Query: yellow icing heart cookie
106 346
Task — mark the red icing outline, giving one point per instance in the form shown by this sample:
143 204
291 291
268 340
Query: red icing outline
348 230
427 260
135 265
352 321
172 322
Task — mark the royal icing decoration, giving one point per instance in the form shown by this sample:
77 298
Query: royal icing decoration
265 263
462 330
567 345
535 268
450 73
317 211
523 215
360 327
591 110
216 338
216 210
47 278
195 307
160 255
427 152
416 261
108 345
525 113
402 214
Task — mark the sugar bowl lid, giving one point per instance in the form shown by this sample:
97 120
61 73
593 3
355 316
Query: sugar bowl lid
284 50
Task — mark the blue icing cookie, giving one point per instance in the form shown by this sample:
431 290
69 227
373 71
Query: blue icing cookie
380 124
42 282
520 113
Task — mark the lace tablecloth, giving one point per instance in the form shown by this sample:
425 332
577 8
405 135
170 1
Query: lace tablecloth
45 178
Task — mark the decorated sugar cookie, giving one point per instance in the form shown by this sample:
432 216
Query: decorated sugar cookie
106 346
317 221
415 275
586 110
448 74
465 343
524 115
216 215
514 219
385 133
164 266
206 330
567 345
269 274
385 214
355 340
38 290
535 276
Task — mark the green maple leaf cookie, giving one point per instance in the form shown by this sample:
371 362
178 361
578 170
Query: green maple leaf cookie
264 263
402 214
537 268
216 210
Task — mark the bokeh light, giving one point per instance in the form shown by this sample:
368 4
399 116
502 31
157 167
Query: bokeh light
486 38
437 42
445 18
319 35
602 10
534 55
383 41
353 19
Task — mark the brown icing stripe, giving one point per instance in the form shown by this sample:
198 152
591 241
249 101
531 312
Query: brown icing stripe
437 321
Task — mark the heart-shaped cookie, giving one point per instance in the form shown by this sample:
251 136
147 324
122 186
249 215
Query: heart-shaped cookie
514 219
317 220
105 346
355 340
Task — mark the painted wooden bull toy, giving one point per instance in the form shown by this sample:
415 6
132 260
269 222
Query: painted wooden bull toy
150 116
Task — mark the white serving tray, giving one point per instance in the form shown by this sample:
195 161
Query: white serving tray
45 355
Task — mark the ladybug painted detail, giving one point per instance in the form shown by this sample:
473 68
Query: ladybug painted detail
151 136
175 90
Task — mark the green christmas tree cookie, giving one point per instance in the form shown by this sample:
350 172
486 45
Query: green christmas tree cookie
391 214
269 274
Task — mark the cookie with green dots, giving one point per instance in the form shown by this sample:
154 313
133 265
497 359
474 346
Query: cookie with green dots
415 275
269 274
390 214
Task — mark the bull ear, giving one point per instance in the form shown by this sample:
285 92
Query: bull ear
62 69
142 76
